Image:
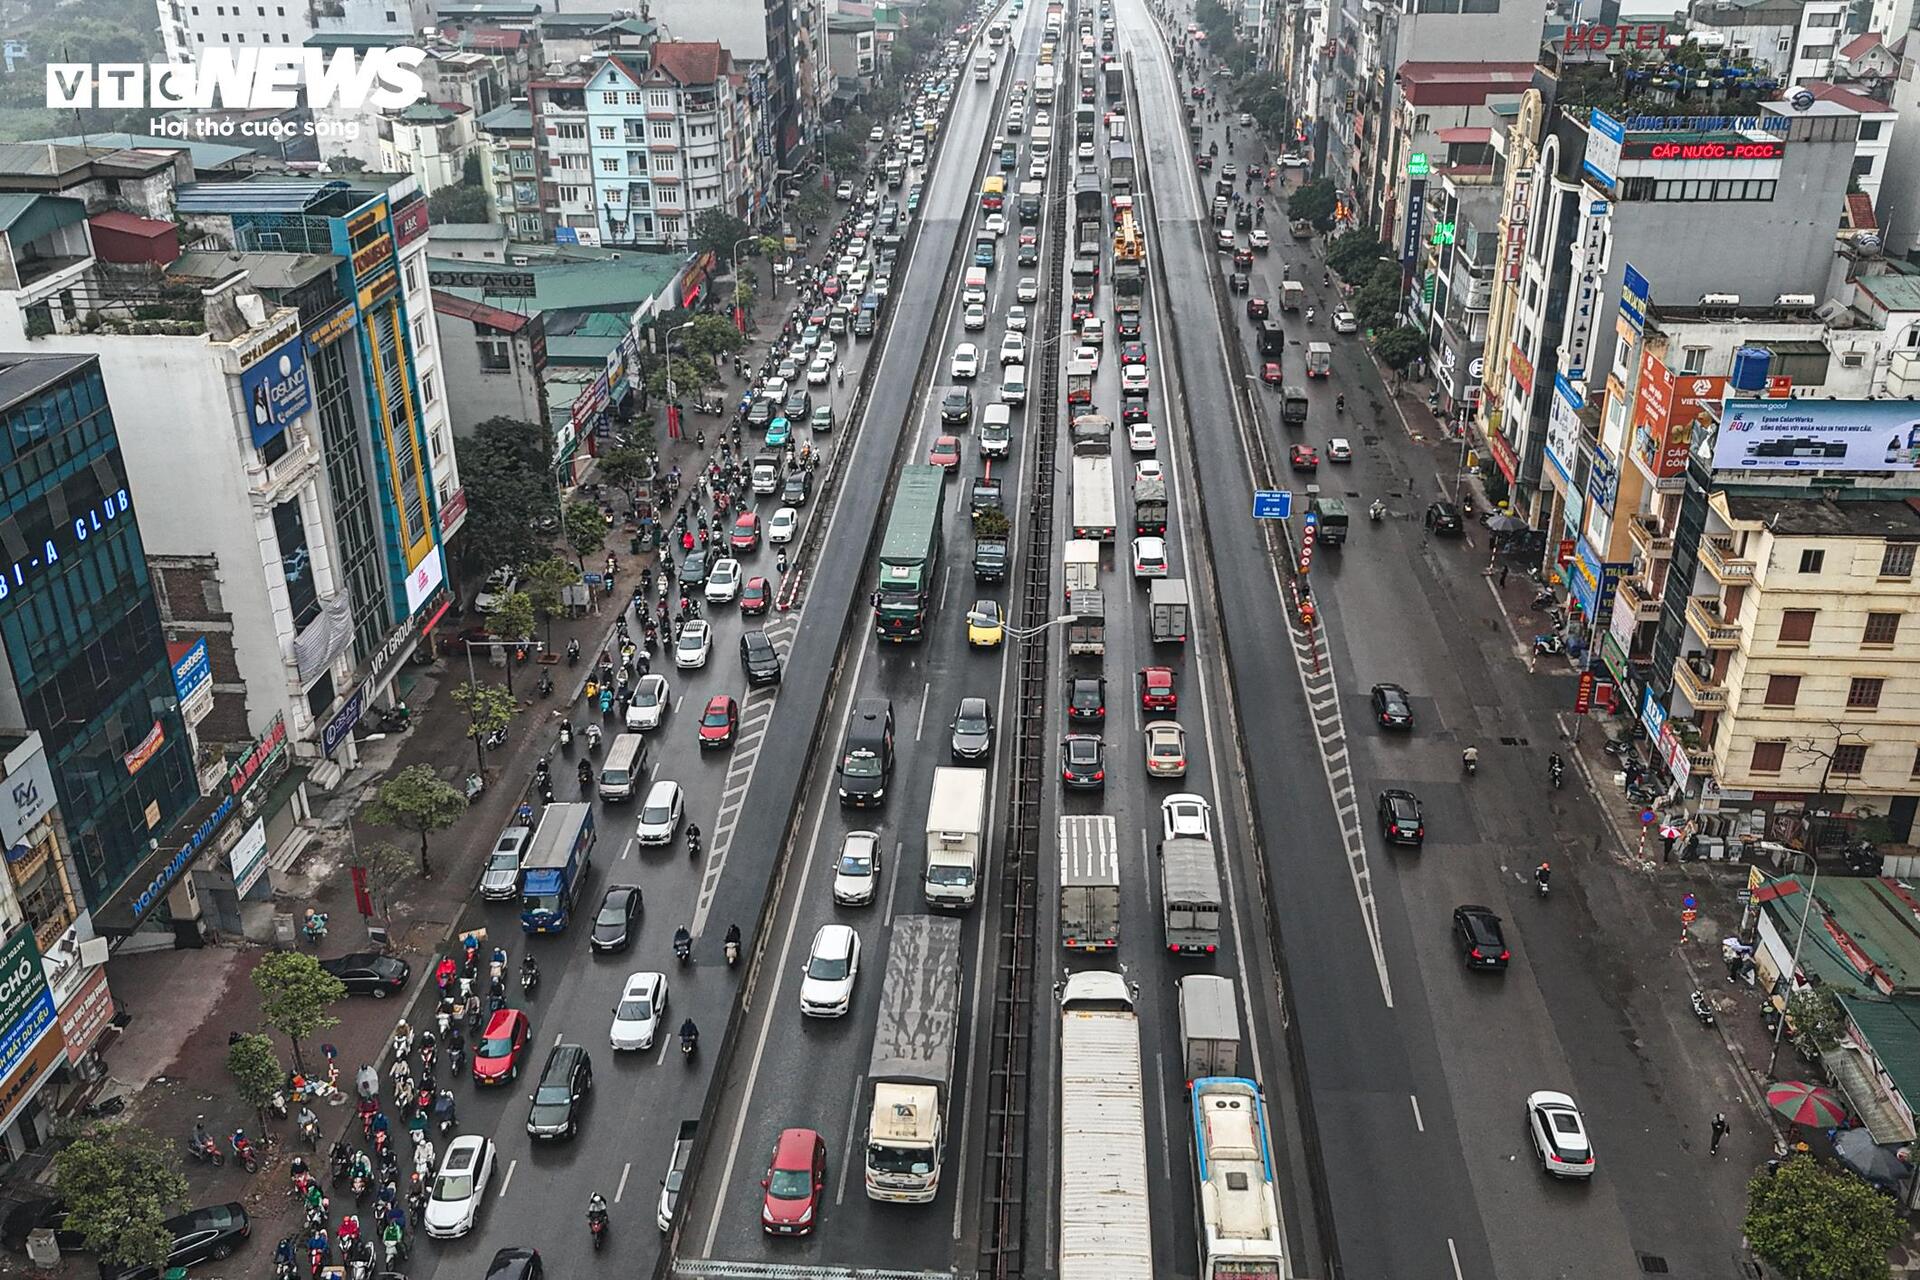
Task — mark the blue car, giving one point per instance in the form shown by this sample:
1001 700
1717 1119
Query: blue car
983 253
779 431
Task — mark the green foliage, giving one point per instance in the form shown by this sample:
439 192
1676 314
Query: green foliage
811 204
1818 1023
545 582
295 994
388 867
716 231
688 375
746 291
511 617
120 1184
712 335
506 467
988 523
1810 1222
1400 346
488 706
1352 256
99 31
1264 97
415 799
1314 202
256 1071
457 204
586 528
626 466
470 168
843 154
1379 298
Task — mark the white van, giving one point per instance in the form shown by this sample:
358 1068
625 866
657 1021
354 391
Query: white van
975 289
1013 384
996 431
626 765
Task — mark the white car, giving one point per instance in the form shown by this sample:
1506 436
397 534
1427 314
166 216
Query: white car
1344 321
1037 168
877 134
1088 353
1016 319
459 1187
651 701
827 349
1259 238
1166 749
723 580
1028 290
966 361
1148 468
1093 331
1293 160
694 645
1186 814
1134 380
974 318
1559 1135
844 191
783 525
1338 450
995 225
847 262
1141 439
1149 557
641 1013
1246 120
857 874
1013 349
833 963
660 816
1084 152
498 585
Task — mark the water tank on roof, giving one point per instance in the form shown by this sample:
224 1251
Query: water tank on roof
1750 365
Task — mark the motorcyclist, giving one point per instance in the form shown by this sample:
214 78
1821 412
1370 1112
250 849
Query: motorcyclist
1340 402
529 970
689 1034
733 934
1541 874
693 835
1470 757
682 940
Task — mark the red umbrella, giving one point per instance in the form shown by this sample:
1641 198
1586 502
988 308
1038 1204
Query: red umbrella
1806 1104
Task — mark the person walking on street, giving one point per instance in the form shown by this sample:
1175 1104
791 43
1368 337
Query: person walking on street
1503 574
1720 1127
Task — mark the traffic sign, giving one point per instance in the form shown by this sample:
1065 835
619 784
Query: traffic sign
1272 504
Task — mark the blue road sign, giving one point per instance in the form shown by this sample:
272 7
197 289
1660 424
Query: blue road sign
1272 504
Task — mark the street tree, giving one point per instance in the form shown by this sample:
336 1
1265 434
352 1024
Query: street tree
490 708
586 529
746 290
1352 255
507 472
1314 202
296 994
712 336
120 1183
626 467
457 204
811 204
843 154
1810 1222
511 617
256 1072
1379 298
388 866
1400 346
1818 1021
417 800
688 375
716 231
546 582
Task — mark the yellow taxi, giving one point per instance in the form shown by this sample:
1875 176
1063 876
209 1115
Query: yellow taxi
986 624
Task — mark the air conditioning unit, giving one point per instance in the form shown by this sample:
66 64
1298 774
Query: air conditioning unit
1830 312
1852 359
1794 300
518 259
1719 299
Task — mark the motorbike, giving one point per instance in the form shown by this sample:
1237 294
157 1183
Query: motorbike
1540 881
206 1151
682 944
529 976
597 1224
314 927
392 719
593 737
1702 1009
566 735
310 1130
1542 600
1556 771
475 786
243 1152
546 685
495 740
733 952
586 775
1377 511
573 653
689 1043
1339 404
1546 645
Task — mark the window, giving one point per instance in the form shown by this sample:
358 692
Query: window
410 275
606 132
614 196
1863 166
495 351
1816 52
1782 691
1823 20
1693 359
1796 626
662 99
1810 561
1863 693
426 388
609 166
610 98
420 347
663 131
1768 757
1916 764
1882 629
1897 560
1870 130
1785 43
1850 759
284 39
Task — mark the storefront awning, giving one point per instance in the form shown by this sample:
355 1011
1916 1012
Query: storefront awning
1850 1071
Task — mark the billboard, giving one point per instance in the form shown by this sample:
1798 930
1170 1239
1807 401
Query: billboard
1605 137
1563 428
26 1006
276 390
1819 435
1665 409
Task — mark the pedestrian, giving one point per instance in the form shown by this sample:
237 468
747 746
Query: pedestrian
1503 574
1666 843
1720 1127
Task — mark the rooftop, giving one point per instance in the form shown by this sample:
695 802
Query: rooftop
203 155
25 376
1824 518
691 61
1861 44
27 217
1892 1028
600 285
1862 934
1894 292
52 162
511 118
1849 98
267 270
467 231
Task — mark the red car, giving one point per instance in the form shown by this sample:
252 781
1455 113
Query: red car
1205 162
795 1177
1156 689
746 532
945 453
1029 239
496 1059
1270 373
1303 458
831 289
1243 259
718 722
1256 308
756 596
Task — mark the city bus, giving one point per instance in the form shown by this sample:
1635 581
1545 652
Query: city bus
1240 1233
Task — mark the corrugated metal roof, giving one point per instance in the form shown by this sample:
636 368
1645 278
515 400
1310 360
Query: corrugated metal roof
267 270
1892 1029
204 155
28 217
1863 933
280 196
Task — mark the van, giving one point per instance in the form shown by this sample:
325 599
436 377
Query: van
626 765
765 474
866 756
974 288
996 431
1013 384
500 882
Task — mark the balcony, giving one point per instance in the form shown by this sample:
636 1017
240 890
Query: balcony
1637 594
1704 620
1647 539
1718 556
1697 684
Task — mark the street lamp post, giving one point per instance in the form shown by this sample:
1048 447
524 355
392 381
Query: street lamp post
1023 633
672 395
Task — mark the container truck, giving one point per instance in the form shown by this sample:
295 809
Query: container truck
1093 515
1150 506
911 1069
1319 360
956 836
1190 896
1080 376
1106 1215
910 556
1087 633
1120 175
983 66
1293 295
1031 195
1116 83
1089 883
1209 1027
1167 610
1081 565
1043 78
1293 406
556 867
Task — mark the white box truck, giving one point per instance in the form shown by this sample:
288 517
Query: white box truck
1089 883
1190 896
956 836
911 1070
1093 505
1106 1218
1080 564
1209 1027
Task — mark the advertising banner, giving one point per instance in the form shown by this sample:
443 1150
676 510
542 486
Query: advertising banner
1605 136
1634 294
1819 435
277 390
1563 428
26 1006
1583 309
87 1014
1416 214
424 580
410 221
26 796
192 670
248 858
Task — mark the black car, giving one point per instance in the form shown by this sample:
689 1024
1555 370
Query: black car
972 730
365 973
1126 324
561 1095
799 404
515 1264
1238 282
694 569
797 488
760 412
1243 217
1477 931
1444 518
1400 820
1083 762
957 407
1087 699
759 659
198 1236
1392 708
1134 409
619 918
